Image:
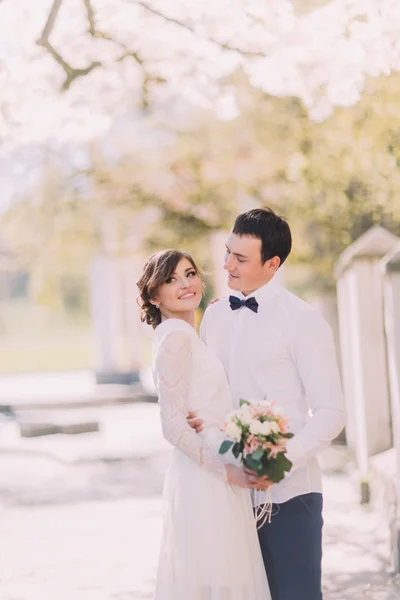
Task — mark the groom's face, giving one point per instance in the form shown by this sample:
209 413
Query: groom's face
246 272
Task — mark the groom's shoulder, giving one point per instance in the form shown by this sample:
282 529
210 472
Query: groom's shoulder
217 308
299 308
290 299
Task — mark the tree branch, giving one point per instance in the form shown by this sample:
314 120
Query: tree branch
148 78
71 73
222 45
55 9
90 16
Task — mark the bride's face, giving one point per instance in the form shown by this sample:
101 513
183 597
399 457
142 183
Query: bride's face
181 292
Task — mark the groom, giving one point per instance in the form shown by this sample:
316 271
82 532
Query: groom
275 346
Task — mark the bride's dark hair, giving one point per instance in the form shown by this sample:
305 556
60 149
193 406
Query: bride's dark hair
158 268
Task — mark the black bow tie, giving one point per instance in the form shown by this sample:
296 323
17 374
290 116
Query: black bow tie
236 303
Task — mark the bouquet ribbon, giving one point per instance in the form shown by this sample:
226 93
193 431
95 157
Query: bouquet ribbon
263 508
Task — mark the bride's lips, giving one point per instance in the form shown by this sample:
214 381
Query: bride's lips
187 295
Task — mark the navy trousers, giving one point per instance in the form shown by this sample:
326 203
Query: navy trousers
291 547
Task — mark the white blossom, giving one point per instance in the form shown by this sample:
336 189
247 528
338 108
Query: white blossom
234 431
256 427
265 428
322 56
274 427
244 414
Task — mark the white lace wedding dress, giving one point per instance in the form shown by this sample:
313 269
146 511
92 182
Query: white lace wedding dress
209 548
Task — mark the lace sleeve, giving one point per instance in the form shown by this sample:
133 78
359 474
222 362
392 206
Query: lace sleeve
173 374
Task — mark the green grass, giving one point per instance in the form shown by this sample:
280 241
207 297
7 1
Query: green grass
33 338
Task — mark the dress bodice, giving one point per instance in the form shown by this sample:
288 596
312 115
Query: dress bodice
189 377
209 395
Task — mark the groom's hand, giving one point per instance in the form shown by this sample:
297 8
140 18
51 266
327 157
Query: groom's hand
194 422
260 483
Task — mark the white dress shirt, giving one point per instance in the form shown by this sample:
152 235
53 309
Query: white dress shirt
284 353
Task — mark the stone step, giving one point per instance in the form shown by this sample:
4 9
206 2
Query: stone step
37 429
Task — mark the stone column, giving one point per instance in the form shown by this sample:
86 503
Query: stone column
108 309
131 267
391 270
115 314
363 347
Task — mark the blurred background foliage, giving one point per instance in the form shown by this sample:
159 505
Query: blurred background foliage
332 180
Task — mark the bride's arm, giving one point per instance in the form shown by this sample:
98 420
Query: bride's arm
173 371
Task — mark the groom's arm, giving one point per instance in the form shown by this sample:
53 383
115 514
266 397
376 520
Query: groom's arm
313 351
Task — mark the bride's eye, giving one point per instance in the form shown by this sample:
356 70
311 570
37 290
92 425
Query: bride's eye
192 273
170 280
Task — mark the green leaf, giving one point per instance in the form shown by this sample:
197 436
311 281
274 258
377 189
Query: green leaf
252 464
244 402
286 463
257 454
274 468
236 450
225 446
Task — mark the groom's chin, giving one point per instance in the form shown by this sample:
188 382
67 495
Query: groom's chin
233 284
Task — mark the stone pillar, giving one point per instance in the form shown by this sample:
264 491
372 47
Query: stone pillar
112 364
391 294
131 267
116 318
363 347
116 322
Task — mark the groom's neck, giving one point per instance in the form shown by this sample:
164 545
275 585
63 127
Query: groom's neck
247 292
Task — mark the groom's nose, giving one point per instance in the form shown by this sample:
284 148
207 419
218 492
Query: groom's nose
228 263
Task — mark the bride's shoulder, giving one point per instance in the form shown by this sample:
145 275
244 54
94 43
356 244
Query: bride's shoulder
173 329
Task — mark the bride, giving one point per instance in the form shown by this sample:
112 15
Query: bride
210 548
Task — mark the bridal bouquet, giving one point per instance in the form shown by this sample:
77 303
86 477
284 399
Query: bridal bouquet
259 433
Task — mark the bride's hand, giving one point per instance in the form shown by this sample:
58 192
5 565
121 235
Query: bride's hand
237 476
213 301
194 422
259 483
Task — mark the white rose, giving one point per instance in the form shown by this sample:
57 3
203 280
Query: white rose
245 415
231 415
274 427
266 428
255 427
264 403
234 431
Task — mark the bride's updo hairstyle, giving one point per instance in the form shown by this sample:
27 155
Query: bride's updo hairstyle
157 270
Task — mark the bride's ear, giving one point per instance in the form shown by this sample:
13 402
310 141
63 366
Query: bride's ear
155 303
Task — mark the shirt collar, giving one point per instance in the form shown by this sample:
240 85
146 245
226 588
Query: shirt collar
263 293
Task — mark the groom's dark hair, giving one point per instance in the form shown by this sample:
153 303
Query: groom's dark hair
271 229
